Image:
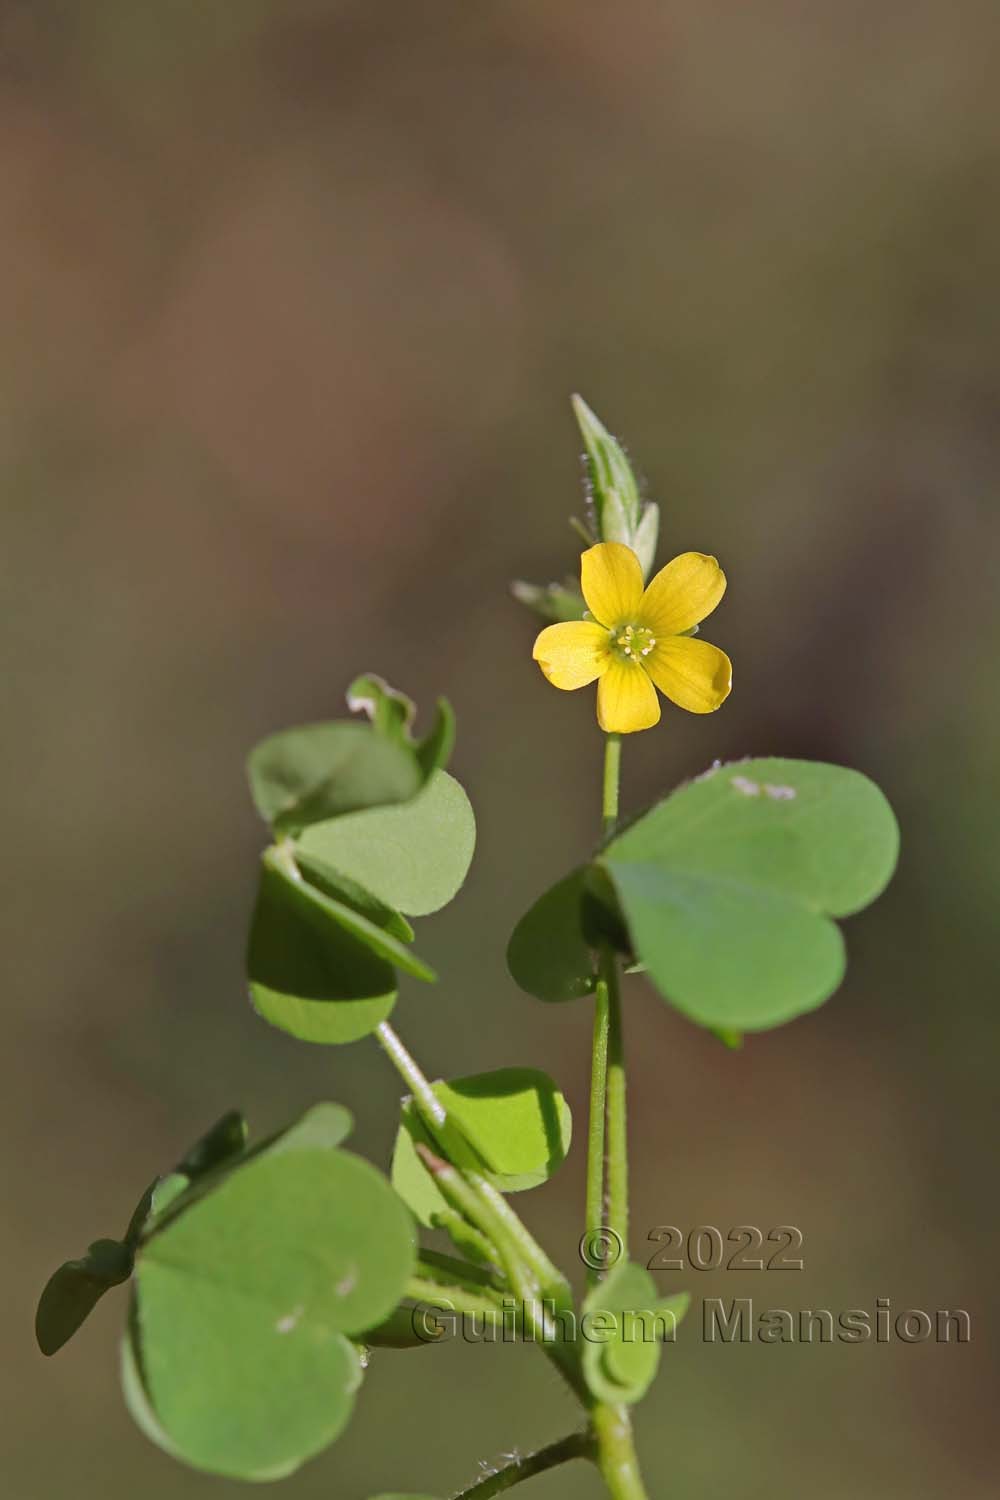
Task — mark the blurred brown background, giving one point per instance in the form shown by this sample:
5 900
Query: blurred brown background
293 296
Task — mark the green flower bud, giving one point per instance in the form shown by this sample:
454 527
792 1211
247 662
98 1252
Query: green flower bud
615 492
553 601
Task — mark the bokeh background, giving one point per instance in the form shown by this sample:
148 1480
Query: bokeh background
293 296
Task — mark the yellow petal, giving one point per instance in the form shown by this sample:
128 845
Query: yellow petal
626 699
611 579
682 594
573 653
695 675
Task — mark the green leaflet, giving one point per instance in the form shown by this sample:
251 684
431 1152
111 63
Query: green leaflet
624 1322
74 1290
414 857
393 713
548 954
301 776
313 772
728 886
246 1301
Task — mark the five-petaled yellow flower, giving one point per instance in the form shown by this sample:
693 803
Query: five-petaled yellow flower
636 637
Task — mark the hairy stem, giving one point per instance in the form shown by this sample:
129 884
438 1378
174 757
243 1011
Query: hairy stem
407 1068
521 1467
594 1209
616 1456
460 1299
617 1140
607 1163
466 1190
552 1283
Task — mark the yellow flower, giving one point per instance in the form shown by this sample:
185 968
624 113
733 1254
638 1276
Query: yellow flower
635 638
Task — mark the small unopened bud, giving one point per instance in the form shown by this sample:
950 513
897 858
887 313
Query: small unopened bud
615 492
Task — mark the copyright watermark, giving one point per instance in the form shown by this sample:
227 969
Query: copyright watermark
540 1322
601 1248
744 1247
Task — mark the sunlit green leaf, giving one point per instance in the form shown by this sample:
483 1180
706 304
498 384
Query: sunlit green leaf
515 1120
410 1177
413 857
512 1125
323 1127
728 886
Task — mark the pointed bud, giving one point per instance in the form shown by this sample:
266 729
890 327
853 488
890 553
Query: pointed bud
615 492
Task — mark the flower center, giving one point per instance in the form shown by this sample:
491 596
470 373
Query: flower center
632 642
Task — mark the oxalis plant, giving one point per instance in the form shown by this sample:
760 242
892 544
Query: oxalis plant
264 1277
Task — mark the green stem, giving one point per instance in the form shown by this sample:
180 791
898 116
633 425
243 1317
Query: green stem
473 1244
542 1297
616 1456
594 1209
407 1068
612 778
447 1268
578 1445
551 1280
467 1189
617 1142
611 1425
461 1299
